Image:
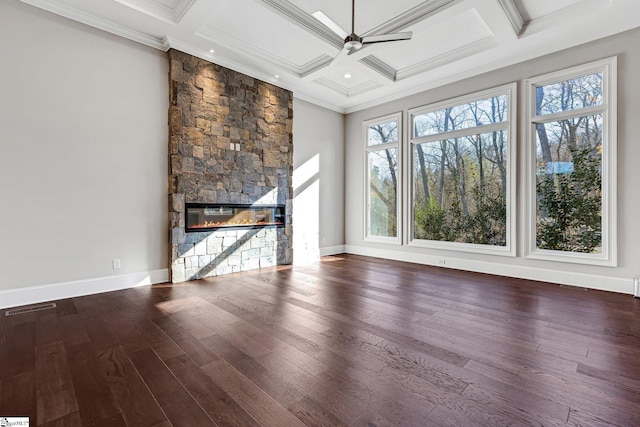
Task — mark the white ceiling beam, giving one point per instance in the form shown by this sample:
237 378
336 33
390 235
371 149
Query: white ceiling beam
303 20
515 16
412 16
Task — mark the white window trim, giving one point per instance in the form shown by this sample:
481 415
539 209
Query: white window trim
367 149
608 257
510 125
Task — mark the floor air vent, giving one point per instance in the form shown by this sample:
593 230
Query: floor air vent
30 309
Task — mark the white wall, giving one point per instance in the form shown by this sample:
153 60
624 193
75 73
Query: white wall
318 181
83 152
618 279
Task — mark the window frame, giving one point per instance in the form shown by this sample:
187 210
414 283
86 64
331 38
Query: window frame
509 125
398 145
608 108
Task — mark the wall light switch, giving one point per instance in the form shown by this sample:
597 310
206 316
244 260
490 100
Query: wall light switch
232 146
116 263
237 147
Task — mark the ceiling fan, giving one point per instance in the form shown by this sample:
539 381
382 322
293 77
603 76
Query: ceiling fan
353 42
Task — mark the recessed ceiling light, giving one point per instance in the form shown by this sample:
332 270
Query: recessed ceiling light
277 76
347 76
211 51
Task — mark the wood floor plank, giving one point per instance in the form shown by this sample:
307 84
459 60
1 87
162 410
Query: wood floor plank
345 407
187 342
69 420
19 353
18 396
93 395
179 406
47 327
136 403
54 387
369 419
312 414
248 314
274 385
71 328
227 331
216 402
100 332
259 404
137 332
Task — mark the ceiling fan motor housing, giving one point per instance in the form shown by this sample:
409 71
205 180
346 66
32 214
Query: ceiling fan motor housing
353 41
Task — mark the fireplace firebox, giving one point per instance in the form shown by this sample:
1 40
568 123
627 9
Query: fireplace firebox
211 216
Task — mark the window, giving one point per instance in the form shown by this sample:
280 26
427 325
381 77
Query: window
572 140
382 151
461 167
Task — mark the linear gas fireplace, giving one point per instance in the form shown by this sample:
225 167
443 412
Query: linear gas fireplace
212 216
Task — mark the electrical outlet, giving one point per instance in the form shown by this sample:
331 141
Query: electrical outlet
324 240
441 262
116 263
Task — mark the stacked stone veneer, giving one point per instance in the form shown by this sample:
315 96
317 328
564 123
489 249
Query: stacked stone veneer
212 109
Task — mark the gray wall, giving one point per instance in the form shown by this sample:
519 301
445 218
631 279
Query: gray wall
318 180
83 151
620 278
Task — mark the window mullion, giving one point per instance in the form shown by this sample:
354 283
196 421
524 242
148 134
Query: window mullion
381 147
461 133
569 114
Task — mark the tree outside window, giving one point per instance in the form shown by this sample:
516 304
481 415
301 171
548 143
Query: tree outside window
382 146
571 182
461 162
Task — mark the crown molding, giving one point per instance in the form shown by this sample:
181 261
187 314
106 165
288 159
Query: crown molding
446 58
303 20
565 15
379 66
348 92
160 11
364 87
330 84
412 16
94 21
320 103
315 65
211 34
515 16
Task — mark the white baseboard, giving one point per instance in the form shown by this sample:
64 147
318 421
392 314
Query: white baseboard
76 288
332 250
603 283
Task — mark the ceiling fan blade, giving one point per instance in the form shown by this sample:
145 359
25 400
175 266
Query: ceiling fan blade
387 38
339 56
330 24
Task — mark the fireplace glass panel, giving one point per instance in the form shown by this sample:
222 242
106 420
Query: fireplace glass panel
205 216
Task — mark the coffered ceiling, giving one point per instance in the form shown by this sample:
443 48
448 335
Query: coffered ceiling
452 39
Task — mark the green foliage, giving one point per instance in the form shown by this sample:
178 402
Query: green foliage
430 221
570 205
486 224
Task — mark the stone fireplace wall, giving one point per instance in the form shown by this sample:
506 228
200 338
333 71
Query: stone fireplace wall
230 142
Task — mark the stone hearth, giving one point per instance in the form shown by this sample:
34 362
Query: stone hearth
230 142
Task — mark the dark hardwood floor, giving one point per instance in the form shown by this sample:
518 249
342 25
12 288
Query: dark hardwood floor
350 341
